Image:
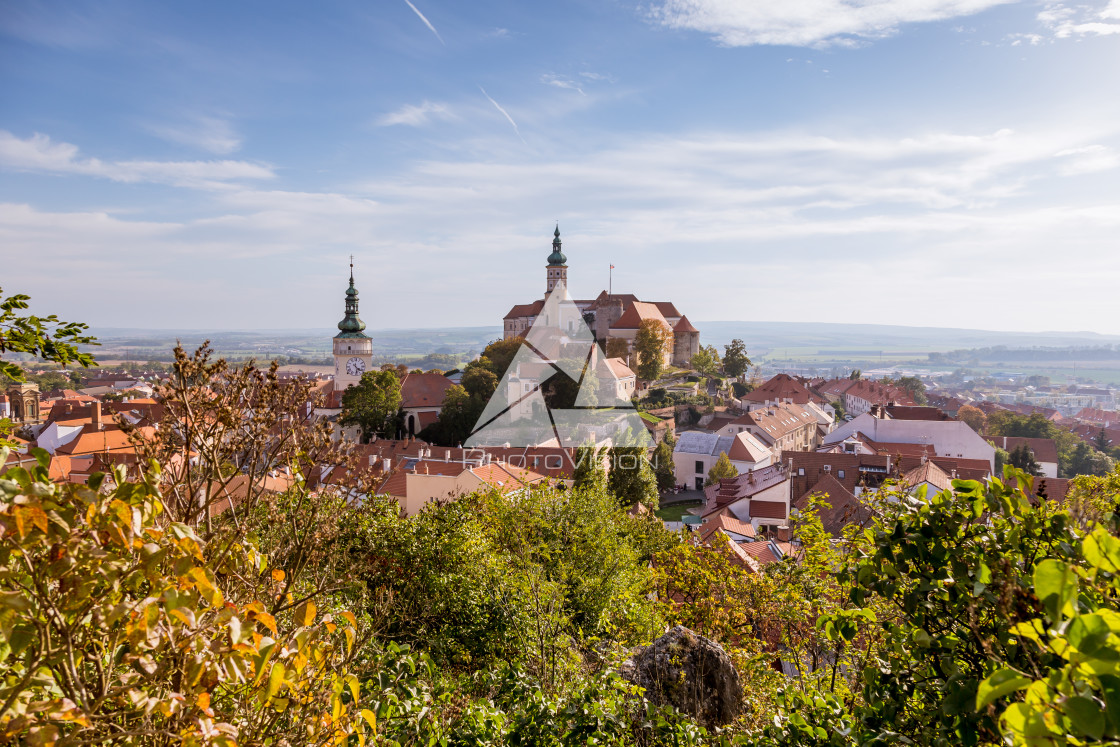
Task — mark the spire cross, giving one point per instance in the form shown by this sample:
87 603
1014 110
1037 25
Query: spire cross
351 269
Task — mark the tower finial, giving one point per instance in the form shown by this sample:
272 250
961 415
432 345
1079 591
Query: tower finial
351 269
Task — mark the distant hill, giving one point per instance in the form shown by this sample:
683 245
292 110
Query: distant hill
841 338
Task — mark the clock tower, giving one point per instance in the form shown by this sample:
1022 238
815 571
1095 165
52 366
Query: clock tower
353 350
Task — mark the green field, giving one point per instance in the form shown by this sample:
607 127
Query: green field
676 511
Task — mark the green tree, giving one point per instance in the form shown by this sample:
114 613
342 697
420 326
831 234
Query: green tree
735 360
838 408
1102 442
617 348
707 360
663 465
855 375
1085 460
721 469
500 354
373 403
589 472
915 388
43 337
1022 457
630 477
651 344
479 380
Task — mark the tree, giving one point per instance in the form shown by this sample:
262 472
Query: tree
122 626
589 472
973 417
663 465
855 375
915 388
1085 460
630 478
721 469
500 354
1102 442
373 403
1022 457
735 360
838 408
479 380
617 348
707 360
44 337
651 344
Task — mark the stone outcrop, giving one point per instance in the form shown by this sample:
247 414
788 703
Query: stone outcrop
689 672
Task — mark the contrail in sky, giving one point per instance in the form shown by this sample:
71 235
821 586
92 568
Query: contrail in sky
426 22
503 111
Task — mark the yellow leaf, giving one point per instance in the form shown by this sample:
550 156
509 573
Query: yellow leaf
277 575
275 680
305 614
204 701
38 517
21 529
350 616
371 719
349 638
268 621
352 683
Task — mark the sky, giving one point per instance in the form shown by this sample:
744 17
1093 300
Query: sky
213 165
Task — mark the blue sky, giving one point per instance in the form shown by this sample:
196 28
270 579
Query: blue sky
213 165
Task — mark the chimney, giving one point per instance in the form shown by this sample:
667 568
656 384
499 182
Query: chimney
372 460
95 413
783 533
386 464
447 456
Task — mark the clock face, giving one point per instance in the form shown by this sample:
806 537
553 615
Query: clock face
355 366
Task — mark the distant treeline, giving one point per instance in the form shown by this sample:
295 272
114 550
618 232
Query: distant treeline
1002 353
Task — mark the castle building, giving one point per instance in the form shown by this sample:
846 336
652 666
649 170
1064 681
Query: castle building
609 315
353 350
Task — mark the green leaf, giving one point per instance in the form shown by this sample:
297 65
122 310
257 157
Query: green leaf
1055 584
998 684
1085 715
1087 633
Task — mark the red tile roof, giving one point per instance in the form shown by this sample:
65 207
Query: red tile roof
636 313
424 389
767 510
525 309
780 388
684 325
1045 450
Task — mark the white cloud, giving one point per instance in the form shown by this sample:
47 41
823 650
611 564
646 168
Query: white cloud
208 133
39 153
416 115
807 22
560 81
1064 21
1088 159
709 216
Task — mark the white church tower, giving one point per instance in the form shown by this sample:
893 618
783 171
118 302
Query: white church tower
353 350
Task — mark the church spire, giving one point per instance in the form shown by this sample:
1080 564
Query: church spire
557 258
557 268
351 325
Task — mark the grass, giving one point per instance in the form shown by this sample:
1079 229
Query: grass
676 511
